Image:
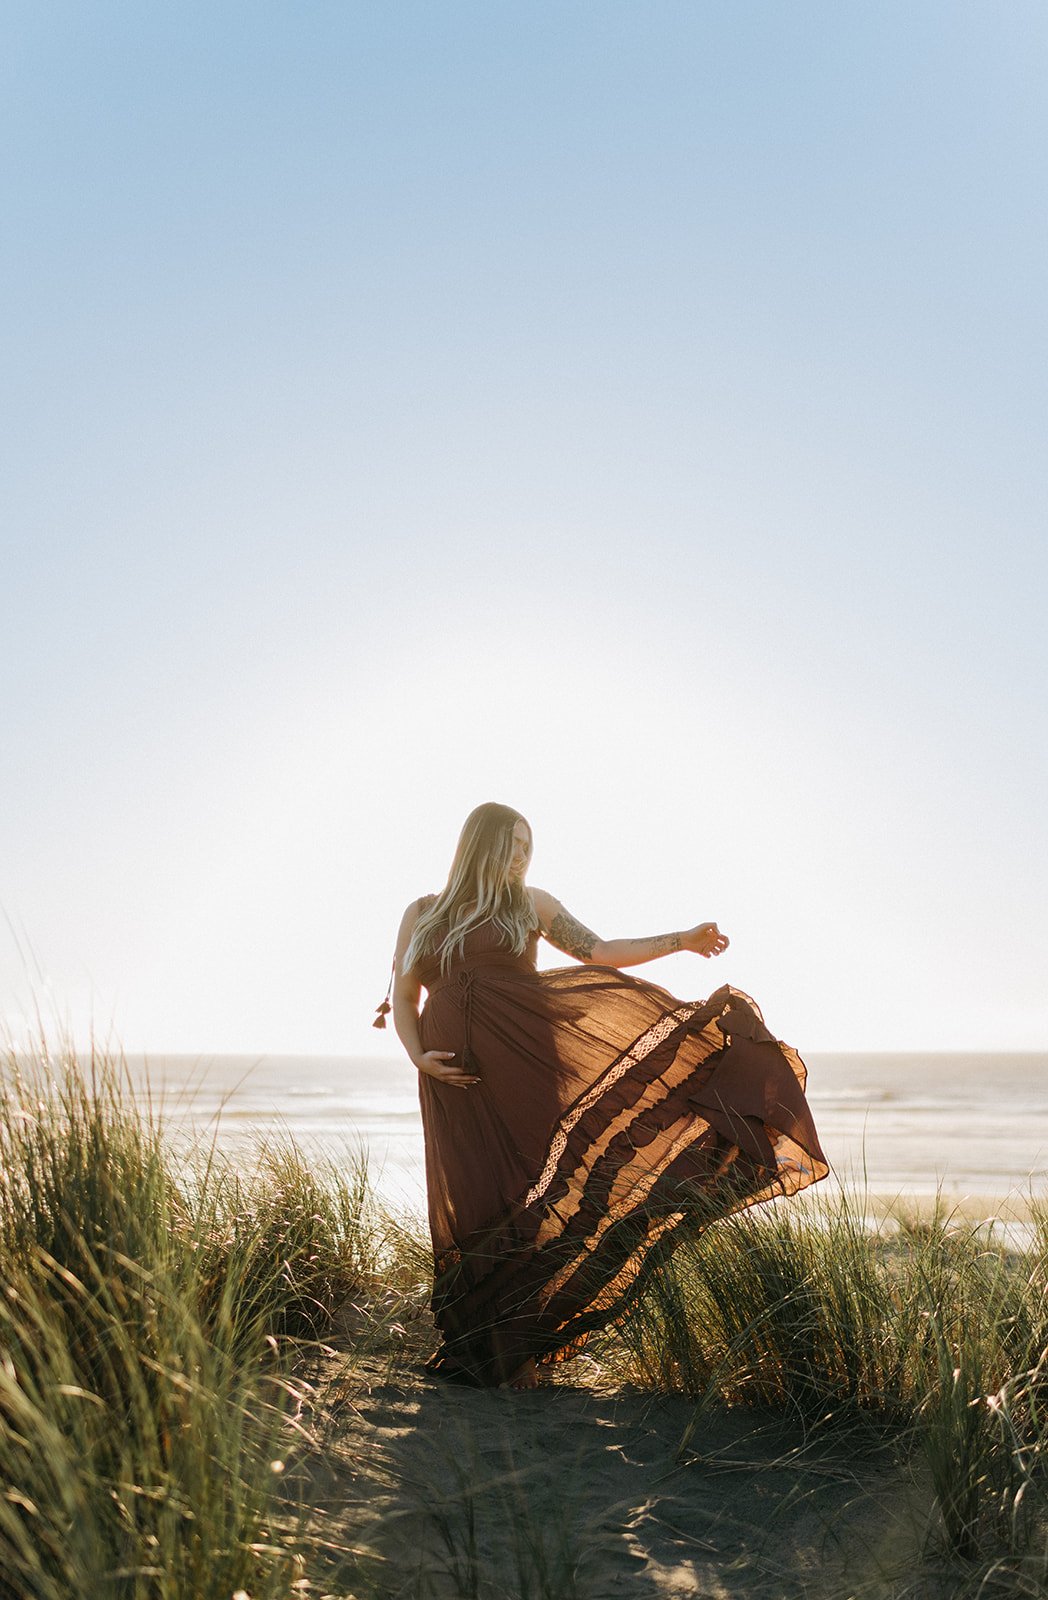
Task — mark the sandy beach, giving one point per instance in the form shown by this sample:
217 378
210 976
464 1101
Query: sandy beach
592 1488
589 1491
221 1369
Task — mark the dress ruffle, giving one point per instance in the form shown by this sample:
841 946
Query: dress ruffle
611 1120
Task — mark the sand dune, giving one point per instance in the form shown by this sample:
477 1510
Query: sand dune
582 1493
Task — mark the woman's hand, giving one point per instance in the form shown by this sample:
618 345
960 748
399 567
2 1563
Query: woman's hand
705 940
434 1063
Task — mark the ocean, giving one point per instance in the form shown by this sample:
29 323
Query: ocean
972 1127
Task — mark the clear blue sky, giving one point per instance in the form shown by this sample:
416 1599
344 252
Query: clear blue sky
632 412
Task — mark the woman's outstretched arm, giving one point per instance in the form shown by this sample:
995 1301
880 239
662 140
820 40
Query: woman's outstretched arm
566 933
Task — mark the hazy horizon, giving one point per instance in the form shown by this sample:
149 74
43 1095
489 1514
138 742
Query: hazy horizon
908 1124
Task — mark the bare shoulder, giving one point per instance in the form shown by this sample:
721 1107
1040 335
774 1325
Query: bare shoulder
416 908
410 918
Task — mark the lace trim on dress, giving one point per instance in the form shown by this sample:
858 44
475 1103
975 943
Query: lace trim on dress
643 1047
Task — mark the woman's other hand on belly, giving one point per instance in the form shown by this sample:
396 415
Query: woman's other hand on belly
436 1064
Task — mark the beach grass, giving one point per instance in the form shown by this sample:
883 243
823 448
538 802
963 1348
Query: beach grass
154 1314
182 1340
931 1333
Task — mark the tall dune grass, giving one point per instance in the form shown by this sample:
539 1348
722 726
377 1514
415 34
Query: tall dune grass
932 1333
148 1321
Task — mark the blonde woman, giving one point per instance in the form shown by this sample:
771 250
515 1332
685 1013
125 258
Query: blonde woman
573 1118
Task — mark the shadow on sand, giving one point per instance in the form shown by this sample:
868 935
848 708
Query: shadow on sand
569 1493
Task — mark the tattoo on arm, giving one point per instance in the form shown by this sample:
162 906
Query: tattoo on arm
660 944
571 937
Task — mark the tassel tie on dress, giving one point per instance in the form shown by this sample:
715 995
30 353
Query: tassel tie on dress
382 1010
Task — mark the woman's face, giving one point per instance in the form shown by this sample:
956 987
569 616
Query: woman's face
518 865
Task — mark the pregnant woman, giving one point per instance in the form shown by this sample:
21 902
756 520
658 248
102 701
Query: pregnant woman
573 1118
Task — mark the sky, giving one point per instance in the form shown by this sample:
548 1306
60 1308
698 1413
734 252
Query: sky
630 412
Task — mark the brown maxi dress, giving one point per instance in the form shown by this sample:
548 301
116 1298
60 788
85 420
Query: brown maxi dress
611 1119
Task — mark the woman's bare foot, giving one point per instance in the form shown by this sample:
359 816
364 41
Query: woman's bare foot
526 1378
506 1347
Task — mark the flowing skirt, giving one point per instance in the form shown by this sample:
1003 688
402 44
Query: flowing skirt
611 1119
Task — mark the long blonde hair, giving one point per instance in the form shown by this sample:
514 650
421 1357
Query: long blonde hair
479 888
